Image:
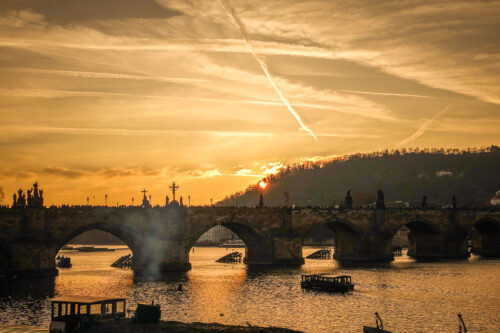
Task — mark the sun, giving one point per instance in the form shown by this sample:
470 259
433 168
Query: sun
263 185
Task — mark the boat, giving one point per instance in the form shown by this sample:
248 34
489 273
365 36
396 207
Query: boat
147 313
63 262
70 313
378 329
93 249
326 282
233 243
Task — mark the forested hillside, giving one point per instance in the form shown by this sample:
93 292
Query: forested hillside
473 175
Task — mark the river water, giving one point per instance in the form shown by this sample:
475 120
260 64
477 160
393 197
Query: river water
410 296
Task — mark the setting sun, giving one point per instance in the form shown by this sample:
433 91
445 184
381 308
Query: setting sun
263 185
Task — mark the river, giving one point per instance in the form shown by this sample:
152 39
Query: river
410 296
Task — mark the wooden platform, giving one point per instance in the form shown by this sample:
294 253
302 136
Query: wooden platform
24 329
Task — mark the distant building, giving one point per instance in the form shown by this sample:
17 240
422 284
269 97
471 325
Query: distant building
495 201
401 237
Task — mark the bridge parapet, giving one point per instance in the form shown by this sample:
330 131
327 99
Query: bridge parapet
161 237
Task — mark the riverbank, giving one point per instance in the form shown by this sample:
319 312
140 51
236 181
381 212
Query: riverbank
126 326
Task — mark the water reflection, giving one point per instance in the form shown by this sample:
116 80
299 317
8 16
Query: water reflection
410 296
27 287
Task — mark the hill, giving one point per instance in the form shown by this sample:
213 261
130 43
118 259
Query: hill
473 175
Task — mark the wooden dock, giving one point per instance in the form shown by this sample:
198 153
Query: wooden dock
22 329
232 257
322 254
123 262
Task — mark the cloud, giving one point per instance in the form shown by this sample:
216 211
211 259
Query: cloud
63 172
66 12
423 128
98 75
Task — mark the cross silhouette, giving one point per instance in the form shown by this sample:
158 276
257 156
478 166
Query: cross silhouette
144 191
173 187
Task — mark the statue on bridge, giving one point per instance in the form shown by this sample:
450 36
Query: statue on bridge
145 201
424 202
35 196
19 199
173 187
348 200
380 200
167 200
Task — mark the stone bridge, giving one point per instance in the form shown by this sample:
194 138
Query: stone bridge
161 237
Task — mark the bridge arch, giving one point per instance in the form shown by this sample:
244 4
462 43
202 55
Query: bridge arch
486 242
258 250
126 234
425 240
349 238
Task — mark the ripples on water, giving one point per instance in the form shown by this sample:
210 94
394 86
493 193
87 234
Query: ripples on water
410 296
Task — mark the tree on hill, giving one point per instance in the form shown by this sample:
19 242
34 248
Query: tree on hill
407 174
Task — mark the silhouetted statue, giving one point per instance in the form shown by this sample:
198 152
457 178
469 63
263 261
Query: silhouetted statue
21 199
145 202
29 192
380 200
35 190
424 202
348 200
14 202
454 202
167 201
180 201
261 200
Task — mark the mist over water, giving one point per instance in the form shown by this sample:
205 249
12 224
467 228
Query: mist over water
410 296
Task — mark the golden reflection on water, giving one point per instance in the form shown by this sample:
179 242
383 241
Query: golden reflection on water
91 274
410 296
216 290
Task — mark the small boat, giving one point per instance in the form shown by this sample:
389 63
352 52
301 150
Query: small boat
63 262
147 313
70 313
93 249
378 329
325 282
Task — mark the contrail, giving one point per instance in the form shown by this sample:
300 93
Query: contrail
422 128
230 11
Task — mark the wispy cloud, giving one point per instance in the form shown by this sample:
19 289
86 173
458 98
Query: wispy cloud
98 75
230 10
423 128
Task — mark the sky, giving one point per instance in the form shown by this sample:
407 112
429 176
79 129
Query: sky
110 97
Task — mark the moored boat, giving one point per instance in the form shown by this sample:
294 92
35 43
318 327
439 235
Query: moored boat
74 312
325 282
63 262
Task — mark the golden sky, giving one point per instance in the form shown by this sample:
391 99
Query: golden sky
109 96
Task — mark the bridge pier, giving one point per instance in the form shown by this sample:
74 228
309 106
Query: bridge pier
157 257
32 259
287 251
